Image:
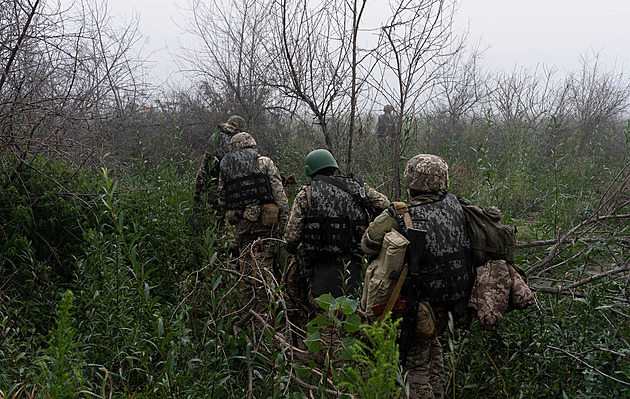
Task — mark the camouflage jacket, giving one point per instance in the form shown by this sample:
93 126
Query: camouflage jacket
218 146
445 272
498 288
303 209
266 168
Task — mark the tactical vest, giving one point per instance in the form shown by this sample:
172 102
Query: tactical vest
338 218
243 181
446 272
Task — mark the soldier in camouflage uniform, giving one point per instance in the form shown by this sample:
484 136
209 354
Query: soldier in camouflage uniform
386 125
218 146
252 194
328 218
446 270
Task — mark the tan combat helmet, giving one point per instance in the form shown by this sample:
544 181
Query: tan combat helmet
237 122
426 173
242 140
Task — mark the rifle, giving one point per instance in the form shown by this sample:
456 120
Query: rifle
415 250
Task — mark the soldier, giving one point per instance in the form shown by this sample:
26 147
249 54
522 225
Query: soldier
218 146
328 218
445 273
251 191
386 124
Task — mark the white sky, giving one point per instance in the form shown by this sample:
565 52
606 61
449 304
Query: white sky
551 32
516 33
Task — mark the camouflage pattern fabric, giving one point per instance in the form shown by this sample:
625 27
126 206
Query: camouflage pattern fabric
446 235
425 367
218 146
386 125
521 296
302 207
243 181
326 266
337 219
497 286
246 222
426 173
237 123
446 268
257 243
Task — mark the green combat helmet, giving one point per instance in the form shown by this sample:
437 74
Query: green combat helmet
242 140
426 173
317 160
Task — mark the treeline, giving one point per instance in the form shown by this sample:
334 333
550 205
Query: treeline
298 71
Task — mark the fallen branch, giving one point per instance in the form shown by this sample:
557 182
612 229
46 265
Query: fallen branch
565 238
569 288
590 366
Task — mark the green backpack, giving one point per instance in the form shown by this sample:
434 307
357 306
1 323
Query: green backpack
490 238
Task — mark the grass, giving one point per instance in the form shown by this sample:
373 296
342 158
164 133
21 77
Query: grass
151 309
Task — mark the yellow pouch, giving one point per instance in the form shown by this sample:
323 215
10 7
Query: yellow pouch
426 320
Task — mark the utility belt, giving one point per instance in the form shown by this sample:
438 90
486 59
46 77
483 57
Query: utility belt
268 214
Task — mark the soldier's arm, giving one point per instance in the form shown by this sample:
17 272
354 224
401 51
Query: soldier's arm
201 178
222 196
295 224
277 189
379 201
373 237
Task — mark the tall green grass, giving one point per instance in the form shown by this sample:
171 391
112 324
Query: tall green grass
110 289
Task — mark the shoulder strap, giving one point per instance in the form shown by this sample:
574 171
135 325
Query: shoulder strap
340 185
401 210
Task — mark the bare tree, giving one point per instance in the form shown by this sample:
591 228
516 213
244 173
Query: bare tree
310 55
596 97
416 44
65 71
526 98
460 95
231 55
357 10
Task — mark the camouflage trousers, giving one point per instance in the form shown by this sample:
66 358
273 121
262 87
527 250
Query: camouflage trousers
425 366
257 247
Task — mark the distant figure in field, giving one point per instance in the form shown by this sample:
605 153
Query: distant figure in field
386 123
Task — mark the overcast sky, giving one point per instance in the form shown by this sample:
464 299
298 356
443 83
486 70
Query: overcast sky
515 33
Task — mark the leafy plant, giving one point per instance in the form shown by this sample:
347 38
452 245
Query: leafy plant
62 368
374 371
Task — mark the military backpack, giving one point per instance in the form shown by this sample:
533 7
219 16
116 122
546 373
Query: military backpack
490 238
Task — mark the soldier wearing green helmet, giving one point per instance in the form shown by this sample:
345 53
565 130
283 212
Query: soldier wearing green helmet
327 220
317 160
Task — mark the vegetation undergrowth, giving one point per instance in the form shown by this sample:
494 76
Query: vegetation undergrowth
116 285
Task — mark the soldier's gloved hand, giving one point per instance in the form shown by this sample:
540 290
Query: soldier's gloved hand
382 224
